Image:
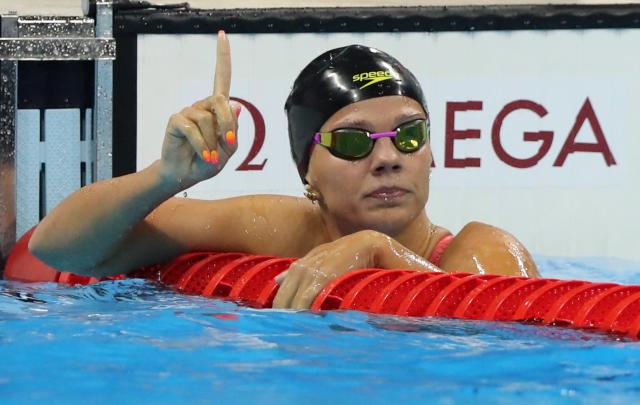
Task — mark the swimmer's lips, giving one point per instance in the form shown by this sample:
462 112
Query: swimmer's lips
387 193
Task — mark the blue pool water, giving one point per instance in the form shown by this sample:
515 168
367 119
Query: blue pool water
137 342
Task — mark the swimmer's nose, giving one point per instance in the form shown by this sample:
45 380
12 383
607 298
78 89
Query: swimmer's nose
385 157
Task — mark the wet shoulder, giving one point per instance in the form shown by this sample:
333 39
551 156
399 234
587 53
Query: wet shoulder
486 249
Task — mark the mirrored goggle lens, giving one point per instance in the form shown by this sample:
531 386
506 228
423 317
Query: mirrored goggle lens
412 136
351 143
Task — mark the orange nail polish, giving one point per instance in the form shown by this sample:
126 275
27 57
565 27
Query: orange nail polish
214 157
230 137
206 156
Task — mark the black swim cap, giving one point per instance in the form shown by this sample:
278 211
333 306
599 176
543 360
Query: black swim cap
337 78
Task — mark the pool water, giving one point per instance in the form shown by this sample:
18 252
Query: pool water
134 341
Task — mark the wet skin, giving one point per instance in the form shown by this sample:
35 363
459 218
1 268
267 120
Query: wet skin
369 213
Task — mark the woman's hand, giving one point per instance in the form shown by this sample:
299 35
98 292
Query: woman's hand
307 276
200 139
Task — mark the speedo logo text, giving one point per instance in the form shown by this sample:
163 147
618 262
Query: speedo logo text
371 77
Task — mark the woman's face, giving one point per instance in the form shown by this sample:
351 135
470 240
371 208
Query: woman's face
384 191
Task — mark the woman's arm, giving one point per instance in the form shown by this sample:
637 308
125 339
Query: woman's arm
365 249
485 249
260 224
90 227
478 248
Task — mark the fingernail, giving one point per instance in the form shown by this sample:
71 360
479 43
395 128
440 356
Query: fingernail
206 156
230 137
214 157
221 33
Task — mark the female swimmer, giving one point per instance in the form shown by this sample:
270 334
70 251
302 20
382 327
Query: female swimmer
359 132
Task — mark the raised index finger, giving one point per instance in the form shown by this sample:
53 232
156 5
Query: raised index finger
222 80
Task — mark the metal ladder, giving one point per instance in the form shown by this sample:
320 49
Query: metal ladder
51 142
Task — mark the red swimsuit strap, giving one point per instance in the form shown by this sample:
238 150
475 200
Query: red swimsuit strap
438 251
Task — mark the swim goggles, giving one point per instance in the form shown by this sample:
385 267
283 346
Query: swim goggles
354 144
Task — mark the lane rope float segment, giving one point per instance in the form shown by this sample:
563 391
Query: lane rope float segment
250 280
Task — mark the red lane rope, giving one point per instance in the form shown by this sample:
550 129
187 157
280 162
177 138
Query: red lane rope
250 279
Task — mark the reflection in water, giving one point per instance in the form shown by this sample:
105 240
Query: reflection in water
21 296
